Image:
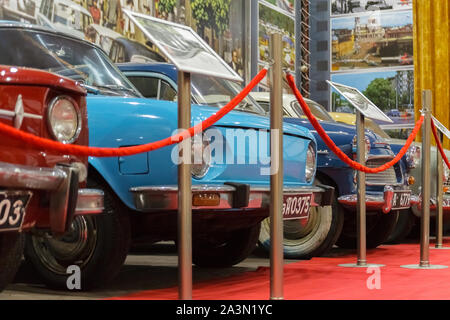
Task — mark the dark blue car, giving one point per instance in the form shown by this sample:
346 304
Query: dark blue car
387 192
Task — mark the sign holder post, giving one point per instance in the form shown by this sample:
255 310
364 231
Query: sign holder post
184 191
276 170
361 260
426 184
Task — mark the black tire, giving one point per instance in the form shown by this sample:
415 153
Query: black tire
11 249
100 255
403 226
314 239
226 249
378 228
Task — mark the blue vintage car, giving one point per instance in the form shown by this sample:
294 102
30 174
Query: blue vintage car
230 198
388 195
303 239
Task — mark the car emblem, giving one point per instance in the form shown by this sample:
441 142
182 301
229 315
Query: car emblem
19 113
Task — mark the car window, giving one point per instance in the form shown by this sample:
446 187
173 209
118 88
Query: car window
147 86
167 92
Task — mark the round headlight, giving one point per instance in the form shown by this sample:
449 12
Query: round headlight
200 157
64 119
413 157
310 167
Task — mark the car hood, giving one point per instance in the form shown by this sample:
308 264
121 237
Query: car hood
340 133
235 119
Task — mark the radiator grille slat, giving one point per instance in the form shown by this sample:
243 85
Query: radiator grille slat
385 177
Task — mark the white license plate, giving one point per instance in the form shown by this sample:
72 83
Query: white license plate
401 199
12 209
296 206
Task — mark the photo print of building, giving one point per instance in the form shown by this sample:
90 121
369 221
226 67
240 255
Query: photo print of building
341 7
379 39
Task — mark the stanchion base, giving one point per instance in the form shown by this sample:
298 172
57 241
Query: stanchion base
440 248
355 265
418 266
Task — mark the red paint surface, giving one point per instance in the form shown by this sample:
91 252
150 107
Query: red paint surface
323 279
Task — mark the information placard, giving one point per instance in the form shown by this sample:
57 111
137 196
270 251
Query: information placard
360 102
183 47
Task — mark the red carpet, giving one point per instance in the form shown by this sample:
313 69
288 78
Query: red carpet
321 278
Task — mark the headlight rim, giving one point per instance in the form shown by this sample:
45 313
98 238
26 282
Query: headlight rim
208 165
412 159
50 108
311 147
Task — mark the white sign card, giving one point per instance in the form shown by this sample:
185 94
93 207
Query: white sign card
360 102
441 127
183 47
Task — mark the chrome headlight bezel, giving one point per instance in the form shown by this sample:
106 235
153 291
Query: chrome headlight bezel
413 156
310 164
200 170
367 145
76 109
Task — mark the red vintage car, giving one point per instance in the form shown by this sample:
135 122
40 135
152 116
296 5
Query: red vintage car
39 189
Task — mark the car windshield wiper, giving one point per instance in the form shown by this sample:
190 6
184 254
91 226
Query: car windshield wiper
90 89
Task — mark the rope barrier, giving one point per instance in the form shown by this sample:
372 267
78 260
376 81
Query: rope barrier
353 164
59 147
439 145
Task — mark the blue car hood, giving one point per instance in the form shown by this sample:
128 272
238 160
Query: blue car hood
198 113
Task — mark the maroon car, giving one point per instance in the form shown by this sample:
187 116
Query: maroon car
40 190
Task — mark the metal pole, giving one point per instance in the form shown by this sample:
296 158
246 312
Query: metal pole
361 245
425 219
439 195
276 178
184 192
361 192
426 192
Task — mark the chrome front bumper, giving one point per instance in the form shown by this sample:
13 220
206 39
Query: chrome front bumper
417 207
375 202
66 199
155 198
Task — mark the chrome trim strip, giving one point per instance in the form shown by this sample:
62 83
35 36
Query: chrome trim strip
90 201
154 198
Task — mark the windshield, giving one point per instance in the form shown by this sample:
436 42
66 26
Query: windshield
316 109
217 92
64 56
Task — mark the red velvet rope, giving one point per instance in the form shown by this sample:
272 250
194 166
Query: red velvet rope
59 147
439 145
336 150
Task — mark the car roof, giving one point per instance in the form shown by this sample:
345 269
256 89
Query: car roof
73 5
6 24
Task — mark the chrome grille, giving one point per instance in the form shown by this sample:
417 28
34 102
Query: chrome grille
381 178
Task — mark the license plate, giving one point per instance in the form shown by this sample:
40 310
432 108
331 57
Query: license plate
296 206
12 209
401 199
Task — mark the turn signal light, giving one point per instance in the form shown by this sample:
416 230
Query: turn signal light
445 189
206 199
411 180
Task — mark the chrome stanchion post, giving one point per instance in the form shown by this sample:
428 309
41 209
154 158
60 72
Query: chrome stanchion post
276 170
439 196
361 193
426 184
184 191
361 260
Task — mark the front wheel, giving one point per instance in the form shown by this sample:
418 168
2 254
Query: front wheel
11 249
224 249
378 229
304 241
97 244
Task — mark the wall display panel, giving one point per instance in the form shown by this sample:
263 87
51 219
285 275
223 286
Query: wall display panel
272 19
345 7
219 22
390 90
375 40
